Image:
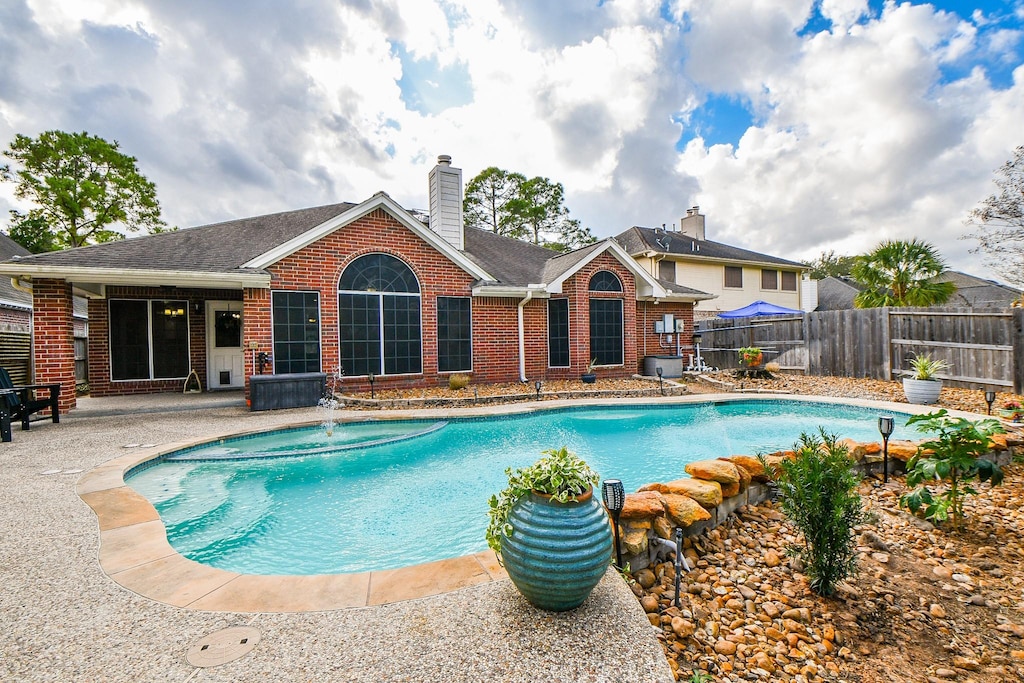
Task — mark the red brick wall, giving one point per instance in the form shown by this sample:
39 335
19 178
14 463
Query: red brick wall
15 316
53 337
648 342
100 383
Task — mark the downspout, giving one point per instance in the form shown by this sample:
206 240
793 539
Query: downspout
16 283
522 336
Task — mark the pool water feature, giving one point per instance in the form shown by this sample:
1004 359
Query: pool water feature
380 495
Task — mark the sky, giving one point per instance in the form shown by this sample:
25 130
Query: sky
797 126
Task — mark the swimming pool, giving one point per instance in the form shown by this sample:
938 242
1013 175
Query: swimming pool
420 493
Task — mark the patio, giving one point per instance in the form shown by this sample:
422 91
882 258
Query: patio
64 619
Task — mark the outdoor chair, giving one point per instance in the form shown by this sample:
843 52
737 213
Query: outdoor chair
18 402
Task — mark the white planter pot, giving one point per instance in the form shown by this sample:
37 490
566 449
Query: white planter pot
922 391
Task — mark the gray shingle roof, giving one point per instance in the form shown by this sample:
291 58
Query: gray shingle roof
8 294
637 240
836 294
511 262
219 247
975 292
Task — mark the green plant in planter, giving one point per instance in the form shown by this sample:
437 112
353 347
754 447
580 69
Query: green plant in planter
953 454
818 492
925 367
559 474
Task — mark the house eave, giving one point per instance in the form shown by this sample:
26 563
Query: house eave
87 279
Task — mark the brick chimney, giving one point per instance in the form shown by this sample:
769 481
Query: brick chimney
692 224
446 202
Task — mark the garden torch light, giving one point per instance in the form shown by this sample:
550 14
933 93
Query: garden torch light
661 385
885 426
990 397
537 385
371 378
614 495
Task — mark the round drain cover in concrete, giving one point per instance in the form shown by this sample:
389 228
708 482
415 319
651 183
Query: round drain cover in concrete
223 646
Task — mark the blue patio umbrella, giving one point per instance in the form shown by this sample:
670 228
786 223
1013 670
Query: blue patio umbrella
759 308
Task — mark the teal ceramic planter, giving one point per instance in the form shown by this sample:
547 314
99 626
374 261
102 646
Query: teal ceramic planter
558 551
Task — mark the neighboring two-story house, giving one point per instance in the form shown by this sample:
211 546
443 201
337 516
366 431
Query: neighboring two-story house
737 277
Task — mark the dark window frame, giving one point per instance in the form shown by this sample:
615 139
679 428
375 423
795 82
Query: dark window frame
154 358
600 327
770 279
604 281
788 278
559 345
737 273
284 360
454 333
665 269
390 307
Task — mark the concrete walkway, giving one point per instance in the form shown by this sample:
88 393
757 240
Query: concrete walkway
63 619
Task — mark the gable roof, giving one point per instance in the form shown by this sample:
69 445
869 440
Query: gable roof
9 296
638 240
837 294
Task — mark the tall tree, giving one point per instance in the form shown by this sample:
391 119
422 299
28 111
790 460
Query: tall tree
899 273
830 264
999 221
83 186
490 197
534 210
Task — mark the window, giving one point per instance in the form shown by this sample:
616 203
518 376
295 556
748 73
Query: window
558 333
148 339
769 279
605 281
667 271
296 328
454 334
734 277
379 317
606 331
788 281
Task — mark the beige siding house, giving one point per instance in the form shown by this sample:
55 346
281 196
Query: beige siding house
737 277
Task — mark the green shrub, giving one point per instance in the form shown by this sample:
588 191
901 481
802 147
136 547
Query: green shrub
817 491
456 382
953 455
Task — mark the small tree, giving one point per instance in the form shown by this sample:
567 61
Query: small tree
82 186
31 231
953 455
829 264
490 196
999 221
817 491
901 273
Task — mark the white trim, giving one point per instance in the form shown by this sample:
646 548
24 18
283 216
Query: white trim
149 341
378 201
646 284
138 277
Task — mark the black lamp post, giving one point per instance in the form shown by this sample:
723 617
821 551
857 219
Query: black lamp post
661 384
885 426
614 495
990 397
537 385
371 378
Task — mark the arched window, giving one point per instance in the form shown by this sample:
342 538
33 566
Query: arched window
606 320
605 281
379 317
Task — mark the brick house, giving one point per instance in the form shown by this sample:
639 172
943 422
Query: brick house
369 288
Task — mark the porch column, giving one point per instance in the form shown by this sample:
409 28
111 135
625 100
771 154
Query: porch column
53 338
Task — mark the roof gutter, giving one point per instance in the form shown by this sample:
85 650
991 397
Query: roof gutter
24 273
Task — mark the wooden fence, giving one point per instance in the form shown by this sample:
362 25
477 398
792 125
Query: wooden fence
985 349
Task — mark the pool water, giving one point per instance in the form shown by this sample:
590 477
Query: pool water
399 502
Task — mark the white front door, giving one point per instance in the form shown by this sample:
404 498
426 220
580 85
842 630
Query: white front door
225 359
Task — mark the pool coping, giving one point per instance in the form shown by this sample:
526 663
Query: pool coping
135 554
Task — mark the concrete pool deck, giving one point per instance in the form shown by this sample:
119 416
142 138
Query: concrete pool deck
62 617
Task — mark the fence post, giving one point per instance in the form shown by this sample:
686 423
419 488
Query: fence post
1018 349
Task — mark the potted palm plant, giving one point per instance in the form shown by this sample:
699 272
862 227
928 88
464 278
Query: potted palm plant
922 386
549 532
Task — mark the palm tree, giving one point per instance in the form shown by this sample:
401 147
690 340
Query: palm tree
900 273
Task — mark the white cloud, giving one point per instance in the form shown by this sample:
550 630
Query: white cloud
860 133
